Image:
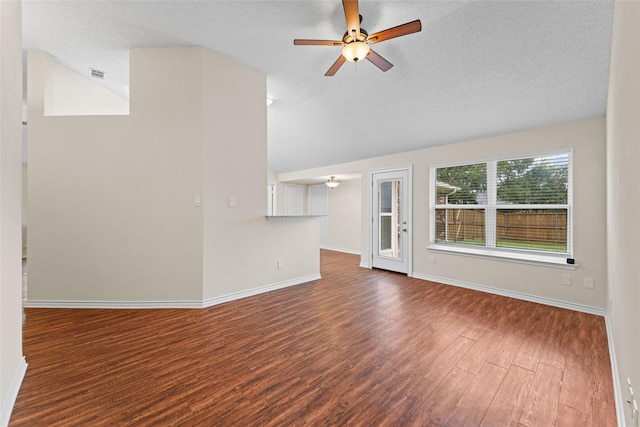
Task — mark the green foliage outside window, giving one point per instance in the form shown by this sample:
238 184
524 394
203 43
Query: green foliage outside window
470 180
533 181
524 204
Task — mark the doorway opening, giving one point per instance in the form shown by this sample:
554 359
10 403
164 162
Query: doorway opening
391 220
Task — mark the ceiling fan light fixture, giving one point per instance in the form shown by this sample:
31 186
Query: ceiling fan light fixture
355 51
332 183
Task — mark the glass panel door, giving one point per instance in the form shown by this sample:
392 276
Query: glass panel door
389 219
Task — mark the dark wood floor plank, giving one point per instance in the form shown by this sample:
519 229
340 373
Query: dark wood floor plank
603 413
576 391
476 357
447 359
571 417
444 398
358 347
510 398
478 397
530 351
507 348
541 406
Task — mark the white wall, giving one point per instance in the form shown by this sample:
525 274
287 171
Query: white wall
623 201
111 214
345 216
586 138
112 219
12 363
241 247
70 94
318 204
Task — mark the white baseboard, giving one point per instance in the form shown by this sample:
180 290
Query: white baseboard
12 394
364 265
521 296
617 388
111 304
168 304
239 295
346 251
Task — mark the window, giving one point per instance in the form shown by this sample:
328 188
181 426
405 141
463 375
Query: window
515 208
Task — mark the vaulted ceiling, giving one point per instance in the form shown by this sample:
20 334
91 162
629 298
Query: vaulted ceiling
477 68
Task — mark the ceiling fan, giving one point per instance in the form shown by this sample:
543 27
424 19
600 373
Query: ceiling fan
355 42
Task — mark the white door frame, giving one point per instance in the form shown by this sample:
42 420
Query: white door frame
407 194
272 199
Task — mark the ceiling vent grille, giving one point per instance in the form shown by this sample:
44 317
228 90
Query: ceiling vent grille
97 74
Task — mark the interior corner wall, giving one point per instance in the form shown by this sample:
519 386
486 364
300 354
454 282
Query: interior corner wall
111 212
241 247
12 364
623 197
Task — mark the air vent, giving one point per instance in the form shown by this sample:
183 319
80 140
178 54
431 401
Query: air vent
97 74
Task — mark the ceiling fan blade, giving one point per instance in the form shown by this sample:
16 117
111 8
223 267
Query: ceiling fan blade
400 30
336 66
300 42
352 15
379 61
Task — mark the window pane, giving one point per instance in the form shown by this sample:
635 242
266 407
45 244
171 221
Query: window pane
386 197
535 180
385 233
465 184
540 230
460 226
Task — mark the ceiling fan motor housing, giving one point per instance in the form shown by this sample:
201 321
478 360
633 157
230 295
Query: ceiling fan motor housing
350 38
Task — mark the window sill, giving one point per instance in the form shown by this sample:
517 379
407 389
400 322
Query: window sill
548 260
270 217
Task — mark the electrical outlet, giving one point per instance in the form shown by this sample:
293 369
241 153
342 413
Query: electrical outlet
589 283
633 405
432 259
566 279
280 264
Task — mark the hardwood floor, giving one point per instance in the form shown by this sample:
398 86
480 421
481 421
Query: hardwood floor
358 347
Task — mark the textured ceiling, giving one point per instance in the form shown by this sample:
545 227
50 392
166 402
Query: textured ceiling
478 68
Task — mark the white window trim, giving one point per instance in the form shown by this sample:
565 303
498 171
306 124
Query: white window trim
490 250
532 257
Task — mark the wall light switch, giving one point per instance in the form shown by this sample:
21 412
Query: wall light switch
232 201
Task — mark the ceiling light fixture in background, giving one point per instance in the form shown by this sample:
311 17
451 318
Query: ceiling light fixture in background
332 183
